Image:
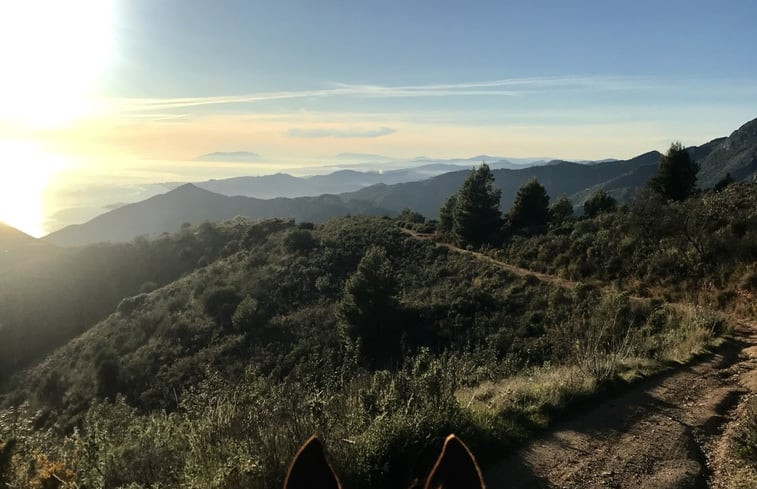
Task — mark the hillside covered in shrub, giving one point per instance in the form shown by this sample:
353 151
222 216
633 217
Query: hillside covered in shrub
203 359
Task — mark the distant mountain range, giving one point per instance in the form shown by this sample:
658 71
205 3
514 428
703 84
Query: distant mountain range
189 203
558 177
736 154
347 180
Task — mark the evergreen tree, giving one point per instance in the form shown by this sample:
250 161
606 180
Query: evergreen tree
476 209
676 176
447 215
368 308
598 203
561 210
531 206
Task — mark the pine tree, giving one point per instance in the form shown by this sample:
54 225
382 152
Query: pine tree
598 203
476 214
676 176
531 206
561 210
368 308
447 215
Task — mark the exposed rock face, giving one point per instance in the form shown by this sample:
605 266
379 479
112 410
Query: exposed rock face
736 155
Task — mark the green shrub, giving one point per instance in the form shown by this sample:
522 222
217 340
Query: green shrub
299 241
220 303
745 438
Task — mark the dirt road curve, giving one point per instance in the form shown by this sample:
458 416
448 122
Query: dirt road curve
666 433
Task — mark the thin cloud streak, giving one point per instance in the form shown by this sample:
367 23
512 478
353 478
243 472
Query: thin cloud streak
509 87
339 133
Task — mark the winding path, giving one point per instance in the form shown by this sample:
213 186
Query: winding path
665 433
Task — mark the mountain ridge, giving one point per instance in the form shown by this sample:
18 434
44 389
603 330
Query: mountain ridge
190 203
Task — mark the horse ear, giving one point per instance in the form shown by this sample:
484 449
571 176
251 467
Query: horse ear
310 470
456 468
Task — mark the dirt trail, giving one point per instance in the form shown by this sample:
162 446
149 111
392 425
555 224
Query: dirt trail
663 433
521 272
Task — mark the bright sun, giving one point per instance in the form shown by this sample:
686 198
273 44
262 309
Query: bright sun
52 54
22 185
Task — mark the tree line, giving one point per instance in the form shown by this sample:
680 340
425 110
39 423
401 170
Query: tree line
472 216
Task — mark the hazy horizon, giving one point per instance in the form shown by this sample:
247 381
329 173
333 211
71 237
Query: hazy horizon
136 91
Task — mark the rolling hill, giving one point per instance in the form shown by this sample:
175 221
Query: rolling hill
17 247
736 154
347 180
188 203
13 239
559 177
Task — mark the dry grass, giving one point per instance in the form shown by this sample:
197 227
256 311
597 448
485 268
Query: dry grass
698 329
532 392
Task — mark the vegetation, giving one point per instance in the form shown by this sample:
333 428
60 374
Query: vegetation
561 210
676 174
531 206
211 369
699 250
745 440
472 215
369 311
598 203
47 301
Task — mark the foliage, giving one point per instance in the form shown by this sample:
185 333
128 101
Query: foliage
368 310
447 215
531 206
220 303
745 437
299 241
676 177
47 301
724 182
6 451
698 248
561 210
598 203
378 342
472 216
409 216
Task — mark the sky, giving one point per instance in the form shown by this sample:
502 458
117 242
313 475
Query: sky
124 91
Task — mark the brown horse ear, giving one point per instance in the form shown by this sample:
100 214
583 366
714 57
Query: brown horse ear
456 468
310 470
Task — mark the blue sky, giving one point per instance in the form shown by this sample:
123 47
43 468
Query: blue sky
137 90
656 71
193 48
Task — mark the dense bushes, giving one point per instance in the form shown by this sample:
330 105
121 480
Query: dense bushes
378 342
46 302
699 246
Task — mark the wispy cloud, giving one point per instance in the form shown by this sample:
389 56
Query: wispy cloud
339 133
231 156
506 87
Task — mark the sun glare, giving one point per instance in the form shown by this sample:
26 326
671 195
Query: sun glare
52 53
25 173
